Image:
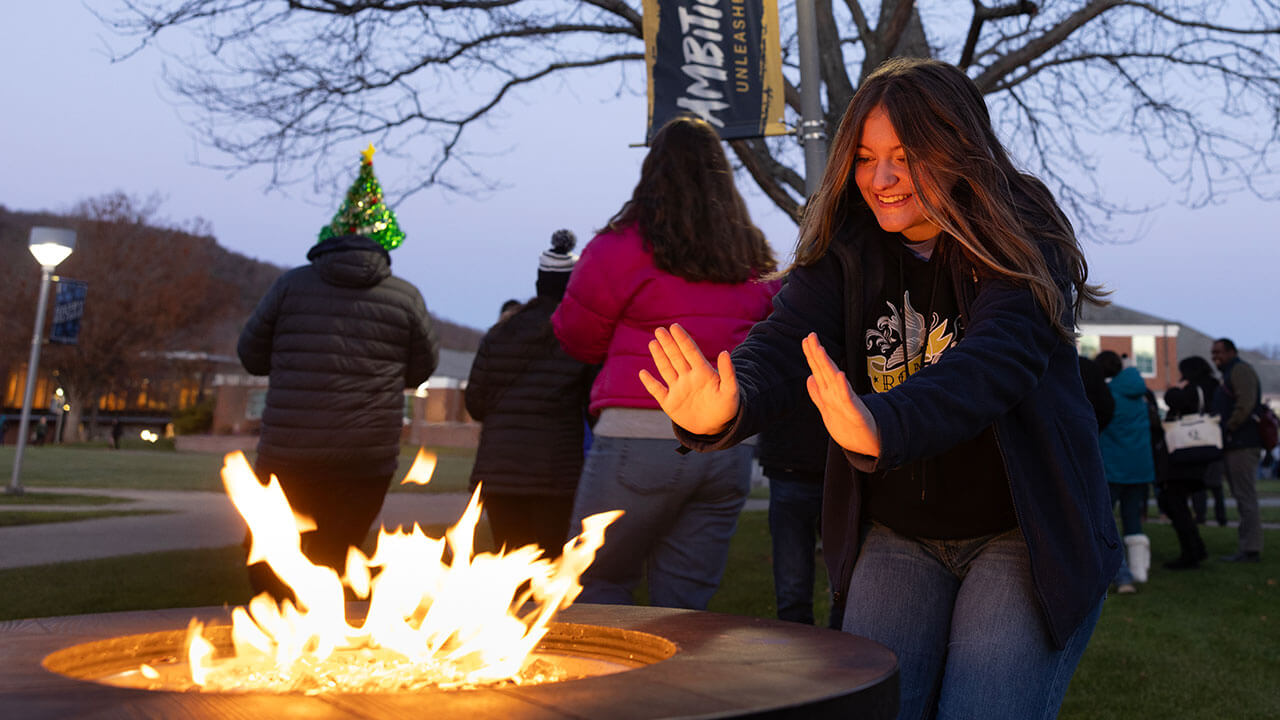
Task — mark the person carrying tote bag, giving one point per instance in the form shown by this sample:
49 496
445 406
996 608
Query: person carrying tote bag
1194 439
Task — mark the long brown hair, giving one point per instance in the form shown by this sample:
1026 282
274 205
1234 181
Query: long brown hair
689 211
994 212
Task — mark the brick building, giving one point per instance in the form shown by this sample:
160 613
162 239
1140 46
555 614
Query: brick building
1154 346
434 414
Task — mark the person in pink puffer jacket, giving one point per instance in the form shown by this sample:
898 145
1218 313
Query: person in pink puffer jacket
682 249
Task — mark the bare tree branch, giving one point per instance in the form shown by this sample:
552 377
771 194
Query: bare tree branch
760 165
981 14
1192 85
1042 43
835 74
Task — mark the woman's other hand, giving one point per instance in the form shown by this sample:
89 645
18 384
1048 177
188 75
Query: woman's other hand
848 421
697 397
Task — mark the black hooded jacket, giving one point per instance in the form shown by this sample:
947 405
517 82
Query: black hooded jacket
1012 371
340 339
532 398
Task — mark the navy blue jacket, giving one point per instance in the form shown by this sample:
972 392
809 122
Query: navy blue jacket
1011 369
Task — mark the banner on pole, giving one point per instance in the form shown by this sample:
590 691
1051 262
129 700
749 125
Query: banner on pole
717 59
68 308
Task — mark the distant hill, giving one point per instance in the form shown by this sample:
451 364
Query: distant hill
243 279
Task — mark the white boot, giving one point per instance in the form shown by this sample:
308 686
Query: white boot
1138 554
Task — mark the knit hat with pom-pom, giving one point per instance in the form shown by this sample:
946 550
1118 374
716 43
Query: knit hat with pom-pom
555 264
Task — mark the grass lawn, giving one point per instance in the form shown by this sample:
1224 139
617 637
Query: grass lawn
1189 645
92 465
1268 514
51 498
452 474
10 518
1192 644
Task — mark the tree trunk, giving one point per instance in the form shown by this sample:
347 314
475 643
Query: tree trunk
71 422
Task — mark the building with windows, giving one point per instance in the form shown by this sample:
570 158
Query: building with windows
1154 345
434 413
1149 343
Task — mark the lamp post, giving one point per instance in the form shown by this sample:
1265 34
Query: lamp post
50 246
813 128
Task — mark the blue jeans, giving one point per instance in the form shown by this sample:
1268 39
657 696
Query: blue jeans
681 512
1131 497
963 619
795 509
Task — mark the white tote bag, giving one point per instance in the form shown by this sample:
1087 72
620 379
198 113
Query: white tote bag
1194 437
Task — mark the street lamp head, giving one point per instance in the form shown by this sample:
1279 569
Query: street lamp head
51 246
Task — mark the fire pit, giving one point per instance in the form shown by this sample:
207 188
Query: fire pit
658 662
444 630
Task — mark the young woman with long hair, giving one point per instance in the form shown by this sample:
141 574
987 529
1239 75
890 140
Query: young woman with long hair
929 315
682 249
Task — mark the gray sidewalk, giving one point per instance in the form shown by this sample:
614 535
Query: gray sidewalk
193 520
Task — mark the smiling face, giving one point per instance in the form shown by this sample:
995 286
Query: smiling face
1220 354
880 172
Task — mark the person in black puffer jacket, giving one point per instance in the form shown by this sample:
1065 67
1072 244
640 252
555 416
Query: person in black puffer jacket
340 339
531 397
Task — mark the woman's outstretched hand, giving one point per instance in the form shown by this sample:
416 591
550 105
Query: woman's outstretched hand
695 395
848 420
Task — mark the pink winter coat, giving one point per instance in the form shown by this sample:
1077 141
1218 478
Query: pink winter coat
617 297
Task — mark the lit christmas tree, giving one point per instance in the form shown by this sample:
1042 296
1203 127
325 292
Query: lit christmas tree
363 212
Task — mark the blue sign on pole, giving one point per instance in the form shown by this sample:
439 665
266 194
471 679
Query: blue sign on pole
718 59
67 310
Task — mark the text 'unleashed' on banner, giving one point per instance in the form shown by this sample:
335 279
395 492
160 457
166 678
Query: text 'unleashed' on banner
717 59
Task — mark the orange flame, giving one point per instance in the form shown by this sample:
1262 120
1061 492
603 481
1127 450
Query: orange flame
423 467
473 620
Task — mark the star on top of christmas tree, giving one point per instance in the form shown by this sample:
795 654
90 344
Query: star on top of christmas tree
363 212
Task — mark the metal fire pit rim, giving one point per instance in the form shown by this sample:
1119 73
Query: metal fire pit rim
90 661
726 666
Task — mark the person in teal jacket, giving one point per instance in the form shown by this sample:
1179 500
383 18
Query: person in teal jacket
1127 460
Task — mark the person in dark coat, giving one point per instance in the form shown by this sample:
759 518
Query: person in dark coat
340 339
793 455
929 314
531 397
1095 388
509 308
1193 394
1236 403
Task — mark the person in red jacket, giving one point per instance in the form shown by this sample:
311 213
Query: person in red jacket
682 249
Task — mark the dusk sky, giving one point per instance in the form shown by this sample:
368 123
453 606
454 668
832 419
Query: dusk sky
77 126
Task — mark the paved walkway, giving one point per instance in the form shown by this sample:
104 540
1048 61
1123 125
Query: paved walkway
193 520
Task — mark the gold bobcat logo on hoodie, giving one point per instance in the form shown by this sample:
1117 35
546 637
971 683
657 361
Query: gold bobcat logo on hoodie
887 364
